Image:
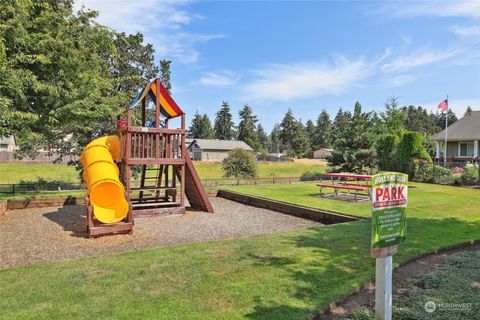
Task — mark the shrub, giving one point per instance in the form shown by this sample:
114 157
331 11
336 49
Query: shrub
311 176
42 184
362 314
432 173
387 152
411 149
239 164
470 175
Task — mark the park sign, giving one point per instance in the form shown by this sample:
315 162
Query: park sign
389 202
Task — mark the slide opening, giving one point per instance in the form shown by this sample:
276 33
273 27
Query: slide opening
109 202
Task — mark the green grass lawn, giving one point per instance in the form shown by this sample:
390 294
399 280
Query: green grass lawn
288 275
32 195
15 172
264 169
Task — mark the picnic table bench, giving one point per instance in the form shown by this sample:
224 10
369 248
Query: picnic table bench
348 182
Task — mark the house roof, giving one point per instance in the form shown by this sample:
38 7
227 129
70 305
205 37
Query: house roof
465 129
215 144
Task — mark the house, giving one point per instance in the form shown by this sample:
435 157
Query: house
463 139
322 153
214 149
8 144
277 156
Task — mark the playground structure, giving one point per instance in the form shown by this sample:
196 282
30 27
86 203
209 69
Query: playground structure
114 198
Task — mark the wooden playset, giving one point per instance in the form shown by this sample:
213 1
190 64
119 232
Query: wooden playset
147 149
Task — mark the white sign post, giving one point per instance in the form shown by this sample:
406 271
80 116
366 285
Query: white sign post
383 288
389 202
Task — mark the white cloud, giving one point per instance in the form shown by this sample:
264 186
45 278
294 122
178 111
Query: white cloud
419 58
162 23
462 8
401 80
286 82
466 31
219 79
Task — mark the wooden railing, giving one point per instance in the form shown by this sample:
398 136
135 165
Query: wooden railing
154 143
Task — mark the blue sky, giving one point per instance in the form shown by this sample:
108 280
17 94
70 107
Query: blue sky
309 55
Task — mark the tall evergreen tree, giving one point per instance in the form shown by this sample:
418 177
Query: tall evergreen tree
200 127
393 117
354 148
288 126
310 130
224 127
262 137
275 141
417 119
440 118
207 128
247 127
323 131
340 126
293 136
301 144
165 74
133 64
196 126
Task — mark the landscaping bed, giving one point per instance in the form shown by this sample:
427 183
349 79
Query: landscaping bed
450 279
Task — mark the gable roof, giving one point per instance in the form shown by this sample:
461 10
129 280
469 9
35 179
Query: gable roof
215 144
168 106
465 129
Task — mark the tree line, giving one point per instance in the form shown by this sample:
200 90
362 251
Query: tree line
354 136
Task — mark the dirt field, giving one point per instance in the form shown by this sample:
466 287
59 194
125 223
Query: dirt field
46 234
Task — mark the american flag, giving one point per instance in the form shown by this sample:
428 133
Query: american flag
443 106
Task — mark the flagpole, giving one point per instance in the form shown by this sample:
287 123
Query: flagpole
446 130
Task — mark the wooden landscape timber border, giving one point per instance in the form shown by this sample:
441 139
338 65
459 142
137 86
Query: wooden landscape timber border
44 202
322 216
25 203
3 207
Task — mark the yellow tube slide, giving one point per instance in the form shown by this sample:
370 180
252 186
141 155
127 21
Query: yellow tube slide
100 174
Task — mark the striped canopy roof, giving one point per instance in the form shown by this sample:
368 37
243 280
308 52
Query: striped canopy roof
168 107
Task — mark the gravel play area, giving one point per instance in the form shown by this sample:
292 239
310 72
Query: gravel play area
30 236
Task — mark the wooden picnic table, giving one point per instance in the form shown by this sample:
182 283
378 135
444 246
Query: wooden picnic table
347 182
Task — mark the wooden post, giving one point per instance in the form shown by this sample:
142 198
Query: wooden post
128 155
143 113
157 104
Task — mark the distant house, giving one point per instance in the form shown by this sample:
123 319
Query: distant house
8 144
463 138
322 153
214 149
277 156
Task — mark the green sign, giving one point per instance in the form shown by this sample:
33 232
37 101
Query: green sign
389 202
